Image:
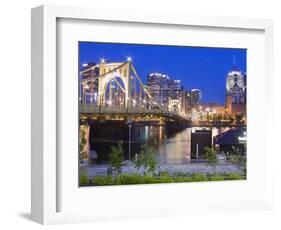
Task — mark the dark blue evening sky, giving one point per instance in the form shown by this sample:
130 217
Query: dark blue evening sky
197 67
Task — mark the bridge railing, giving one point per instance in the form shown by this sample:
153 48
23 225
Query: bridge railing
94 109
86 108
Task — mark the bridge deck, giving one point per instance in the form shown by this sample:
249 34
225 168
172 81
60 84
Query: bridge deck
93 109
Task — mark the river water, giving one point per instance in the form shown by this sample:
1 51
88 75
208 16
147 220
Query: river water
173 147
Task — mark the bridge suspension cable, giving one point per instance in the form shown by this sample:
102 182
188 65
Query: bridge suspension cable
137 76
104 74
91 68
143 92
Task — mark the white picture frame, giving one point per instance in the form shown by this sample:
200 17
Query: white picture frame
47 175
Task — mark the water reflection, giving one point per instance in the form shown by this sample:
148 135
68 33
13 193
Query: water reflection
173 147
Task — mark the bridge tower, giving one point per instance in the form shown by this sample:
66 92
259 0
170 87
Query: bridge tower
174 105
109 72
126 88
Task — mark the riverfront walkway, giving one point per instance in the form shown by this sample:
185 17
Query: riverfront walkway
101 170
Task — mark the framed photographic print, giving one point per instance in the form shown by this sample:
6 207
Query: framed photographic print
139 114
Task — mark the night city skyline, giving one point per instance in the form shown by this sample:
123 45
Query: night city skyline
161 114
197 67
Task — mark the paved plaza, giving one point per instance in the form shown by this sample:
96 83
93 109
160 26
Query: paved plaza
101 170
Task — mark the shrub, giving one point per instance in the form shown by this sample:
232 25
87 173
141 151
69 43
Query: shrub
243 177
165 179
147 179
108 180
129 179
181 174
183 179
199 177
136 179
216 178
84 179
119 180
126 179
164 174
233 176
98 180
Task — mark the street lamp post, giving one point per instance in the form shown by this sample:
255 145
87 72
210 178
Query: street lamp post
130 127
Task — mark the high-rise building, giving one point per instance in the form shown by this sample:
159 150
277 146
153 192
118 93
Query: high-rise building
196 96
186 101
91 89
190 99
162 87
236 91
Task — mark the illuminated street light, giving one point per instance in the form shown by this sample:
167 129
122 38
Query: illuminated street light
102 60
85 64
129 59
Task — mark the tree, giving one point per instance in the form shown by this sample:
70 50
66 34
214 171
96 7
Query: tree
237 158
147 159
117 158
211 157
83 141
